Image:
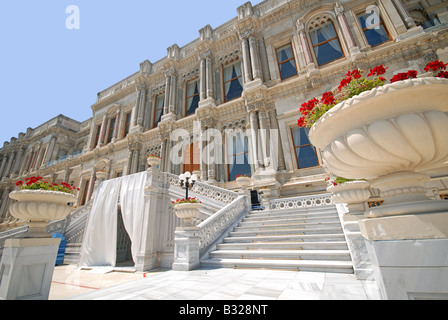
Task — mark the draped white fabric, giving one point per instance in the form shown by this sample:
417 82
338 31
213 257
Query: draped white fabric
132 200
100 241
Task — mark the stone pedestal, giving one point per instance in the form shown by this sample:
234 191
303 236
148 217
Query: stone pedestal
26 268
408 253
186 251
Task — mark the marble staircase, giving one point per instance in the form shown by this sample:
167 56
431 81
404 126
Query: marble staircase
301 239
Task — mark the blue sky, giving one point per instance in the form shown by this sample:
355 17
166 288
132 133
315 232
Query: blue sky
47 69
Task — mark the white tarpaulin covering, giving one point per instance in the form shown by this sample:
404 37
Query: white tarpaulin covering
133 207
100 240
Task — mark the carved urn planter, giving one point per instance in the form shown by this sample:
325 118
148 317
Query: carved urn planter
243 182
188 212
389 135
101 175
153 161
353 193
40 207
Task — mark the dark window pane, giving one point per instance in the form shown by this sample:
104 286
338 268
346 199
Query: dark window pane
306 157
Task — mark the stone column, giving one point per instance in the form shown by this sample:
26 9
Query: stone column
277 147
162 155
304 44
167 94
339 10
209 73
117 125
102 132
91 186
50 150
129 163
404 13
10 162
204 165
135 156
246 61
167 160
203 79
254 133
67 173
16 168
2 167
4 207
264 137
141 106
255 58
173 89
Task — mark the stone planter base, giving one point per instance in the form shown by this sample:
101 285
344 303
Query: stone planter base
26 268
410 269
186 251
408 254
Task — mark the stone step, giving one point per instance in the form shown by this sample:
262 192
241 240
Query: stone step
272 225
286 245
320 209
342 255
297 265
287 237
286 231
290 215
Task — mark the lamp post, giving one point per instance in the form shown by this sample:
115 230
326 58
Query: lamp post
185 179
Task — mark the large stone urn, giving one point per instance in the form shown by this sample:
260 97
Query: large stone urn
40 207
389 135
244 182
188 212
153 161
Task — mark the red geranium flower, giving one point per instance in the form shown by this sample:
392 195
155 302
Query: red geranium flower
435 66
377 71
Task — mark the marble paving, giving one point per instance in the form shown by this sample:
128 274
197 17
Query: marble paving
238 284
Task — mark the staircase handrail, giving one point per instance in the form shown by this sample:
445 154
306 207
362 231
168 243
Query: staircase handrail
205 189
316 200
217 225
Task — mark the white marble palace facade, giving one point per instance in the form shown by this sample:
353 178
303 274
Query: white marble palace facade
251 73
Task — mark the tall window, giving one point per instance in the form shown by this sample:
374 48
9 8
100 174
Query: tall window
110 134
97 135
286 62
192 100
233 81
238 155
305 152
158 109
127 124
326 45
373 27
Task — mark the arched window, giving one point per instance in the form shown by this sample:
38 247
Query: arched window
232 80
238 155
325 40
306 155
192 98
286 62
374 28
158 109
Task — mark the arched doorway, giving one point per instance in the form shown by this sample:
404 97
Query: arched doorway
124 254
